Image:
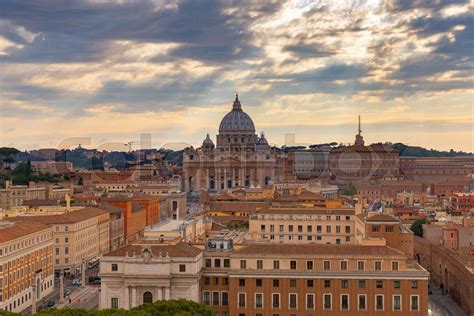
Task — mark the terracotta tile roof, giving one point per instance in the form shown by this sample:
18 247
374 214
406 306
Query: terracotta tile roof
66 218
12 230
137 207
240 206
111 208
178 250
309 211
293 250
381 218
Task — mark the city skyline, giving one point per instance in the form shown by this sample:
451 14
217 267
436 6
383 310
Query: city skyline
110 71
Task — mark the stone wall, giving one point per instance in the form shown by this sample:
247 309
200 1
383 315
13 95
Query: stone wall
448 271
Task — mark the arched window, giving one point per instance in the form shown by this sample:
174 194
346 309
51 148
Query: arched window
147 298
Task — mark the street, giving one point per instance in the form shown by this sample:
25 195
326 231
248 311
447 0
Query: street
81 297
443 305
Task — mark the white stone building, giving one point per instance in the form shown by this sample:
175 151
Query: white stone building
139 274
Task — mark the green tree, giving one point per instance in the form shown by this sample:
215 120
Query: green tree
417 227
350 190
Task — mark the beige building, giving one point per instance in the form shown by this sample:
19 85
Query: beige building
303 225
239 159
145 273
13 195
78 235
26 264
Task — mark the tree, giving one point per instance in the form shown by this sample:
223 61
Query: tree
350 190
162 308
417 227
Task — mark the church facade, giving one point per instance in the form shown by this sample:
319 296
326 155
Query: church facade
240 158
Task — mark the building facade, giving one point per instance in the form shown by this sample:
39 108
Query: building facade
239 159
26 264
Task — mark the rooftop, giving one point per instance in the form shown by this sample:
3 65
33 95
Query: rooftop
13 230
66 218
178 250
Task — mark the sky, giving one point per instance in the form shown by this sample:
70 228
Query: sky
108 71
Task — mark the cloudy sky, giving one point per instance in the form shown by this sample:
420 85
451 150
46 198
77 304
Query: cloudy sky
109 71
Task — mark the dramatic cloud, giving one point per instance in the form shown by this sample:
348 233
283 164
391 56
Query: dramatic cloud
123 67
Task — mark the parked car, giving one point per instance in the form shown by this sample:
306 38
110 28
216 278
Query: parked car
94 280
77 282
50 303
67 292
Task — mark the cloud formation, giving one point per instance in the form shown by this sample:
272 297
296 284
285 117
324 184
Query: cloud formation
331 60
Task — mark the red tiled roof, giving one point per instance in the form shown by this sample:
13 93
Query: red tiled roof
178 250
70 217
13 230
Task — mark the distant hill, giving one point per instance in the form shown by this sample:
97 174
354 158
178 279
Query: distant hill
416 151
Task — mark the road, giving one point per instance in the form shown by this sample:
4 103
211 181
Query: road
443 305
87 297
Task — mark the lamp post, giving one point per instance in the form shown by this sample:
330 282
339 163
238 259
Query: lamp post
61 286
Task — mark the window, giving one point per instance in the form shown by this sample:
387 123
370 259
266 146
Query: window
343 265
362 302
207 280
225 298
259 264
396 284
309 265
293 265
397 303
378 265
379 284
276 283
208 263
243 264
300 228
216 281
327 265
309 229
182 268
292 282
290 228
379 302
242 300
414 284
258 300
327 301
262 228
328 229
344 301
226 281
360 265
375 228
414 302
217 263
309 301
275 300
226 263
215 298
293 300
206 298
276 264
345 284
114 302
348 229
241 282
114 267
327 283
389 228
394 265
338 229
309 283
258 282
361 284
281 228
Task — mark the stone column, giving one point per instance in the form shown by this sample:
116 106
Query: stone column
134 296
33 302
127 298
167 293
160 294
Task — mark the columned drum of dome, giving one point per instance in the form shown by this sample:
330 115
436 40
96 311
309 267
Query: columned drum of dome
239 159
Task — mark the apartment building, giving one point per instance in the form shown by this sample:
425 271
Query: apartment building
303 225
284 279
26 264
13 195
78 235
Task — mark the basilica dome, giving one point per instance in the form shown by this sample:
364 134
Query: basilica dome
236 120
